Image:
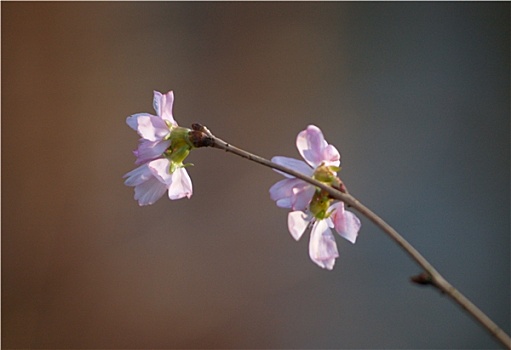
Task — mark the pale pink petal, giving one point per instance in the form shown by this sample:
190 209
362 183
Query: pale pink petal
137 176
160 168
163 106
282 191
303 193
294 164
345 222
331 156
157 96
132 120
167 101
314 149
181 185
149 192
297 222
149 150
152 128
310 143
322 246
292 193
178 183
148 189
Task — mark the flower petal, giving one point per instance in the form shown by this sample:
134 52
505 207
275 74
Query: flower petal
150 150
138 176
345 222
181 185
303 194
281 192
157 102
310 143
178 183
294 164
322 246
152 128
160 168
292 193
314 149
163 106
331 156
297 222
150 191
132 120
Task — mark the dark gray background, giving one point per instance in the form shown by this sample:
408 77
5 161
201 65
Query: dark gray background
414 95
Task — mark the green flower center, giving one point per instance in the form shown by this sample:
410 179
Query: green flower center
179 149
321 200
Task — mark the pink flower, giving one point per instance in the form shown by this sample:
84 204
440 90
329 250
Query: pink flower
311 205
162 148
295 193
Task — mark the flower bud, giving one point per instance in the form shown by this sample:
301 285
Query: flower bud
200 139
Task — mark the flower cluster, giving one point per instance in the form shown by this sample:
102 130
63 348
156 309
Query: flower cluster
311 205
162 148
164 145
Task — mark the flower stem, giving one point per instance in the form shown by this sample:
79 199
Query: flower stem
432 276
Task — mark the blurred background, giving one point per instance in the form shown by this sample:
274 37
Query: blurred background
414 95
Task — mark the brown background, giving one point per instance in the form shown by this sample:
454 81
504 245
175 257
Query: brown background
414 95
